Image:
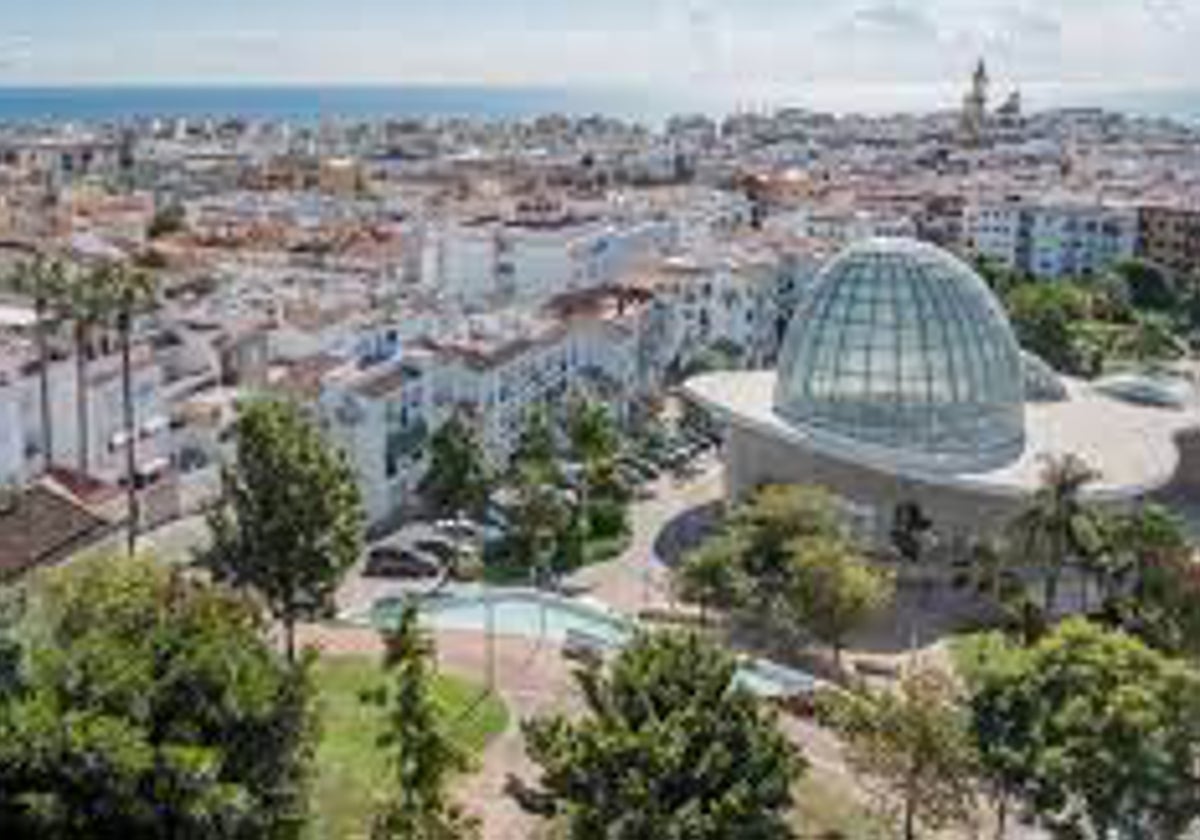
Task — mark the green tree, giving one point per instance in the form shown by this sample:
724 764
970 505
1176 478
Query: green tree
150 706
292 521
1153 580
1096 733
595 446
912 746
541 514
765 526
1150 286
832 590
1149 342
536 445
458 481
999 277
1057 527
670 747
44 280
1046 317
422 758
711 576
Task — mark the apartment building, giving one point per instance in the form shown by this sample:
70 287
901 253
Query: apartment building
1170 237
1051 239
22 421
495 369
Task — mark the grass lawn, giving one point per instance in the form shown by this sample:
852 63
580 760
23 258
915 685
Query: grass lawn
349 769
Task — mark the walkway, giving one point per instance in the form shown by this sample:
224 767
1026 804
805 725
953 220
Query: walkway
636 581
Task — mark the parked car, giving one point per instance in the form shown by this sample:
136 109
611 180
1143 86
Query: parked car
392 562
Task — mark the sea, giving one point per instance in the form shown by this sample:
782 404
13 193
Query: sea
317 103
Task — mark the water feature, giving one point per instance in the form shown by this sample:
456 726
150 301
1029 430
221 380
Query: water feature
530 614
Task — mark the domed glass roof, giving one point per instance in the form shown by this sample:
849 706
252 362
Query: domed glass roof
903 347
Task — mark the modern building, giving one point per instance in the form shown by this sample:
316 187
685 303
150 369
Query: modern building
901 383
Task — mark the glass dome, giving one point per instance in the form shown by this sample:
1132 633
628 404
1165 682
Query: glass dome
902 347
1042 384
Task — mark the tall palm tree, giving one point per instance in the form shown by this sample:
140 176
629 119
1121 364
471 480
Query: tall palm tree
594 444
1058 527
44 280
123 291
86 303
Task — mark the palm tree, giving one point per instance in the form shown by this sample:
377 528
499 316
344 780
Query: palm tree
44 279
86 304
125 291
1057 526
594 445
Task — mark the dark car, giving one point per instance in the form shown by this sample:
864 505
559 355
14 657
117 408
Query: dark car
390 562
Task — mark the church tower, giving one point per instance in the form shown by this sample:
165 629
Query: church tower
975 103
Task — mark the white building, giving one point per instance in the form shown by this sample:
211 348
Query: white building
843 226
479 264
1052 239
21 418
494 369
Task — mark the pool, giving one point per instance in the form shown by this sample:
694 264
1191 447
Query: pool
530 614
523 613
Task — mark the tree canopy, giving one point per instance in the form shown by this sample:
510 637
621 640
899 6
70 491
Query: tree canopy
1057 527
148 705
1046 317
832 590
457 481
1095 732
912 747
670 747
292 521
422 758
784 563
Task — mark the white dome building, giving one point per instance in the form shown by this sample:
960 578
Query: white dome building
901 381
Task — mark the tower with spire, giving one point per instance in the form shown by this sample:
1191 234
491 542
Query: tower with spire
975 107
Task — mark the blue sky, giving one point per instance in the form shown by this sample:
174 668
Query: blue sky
750 44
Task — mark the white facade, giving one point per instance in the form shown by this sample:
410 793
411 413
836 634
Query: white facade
21 456
1052 240
1079 241
476 265
996 231
843 227
382 416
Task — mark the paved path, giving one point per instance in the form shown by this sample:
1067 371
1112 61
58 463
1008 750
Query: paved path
636 581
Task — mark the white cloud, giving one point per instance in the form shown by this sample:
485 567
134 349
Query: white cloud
742 44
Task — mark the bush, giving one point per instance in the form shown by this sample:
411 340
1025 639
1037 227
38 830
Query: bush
607 519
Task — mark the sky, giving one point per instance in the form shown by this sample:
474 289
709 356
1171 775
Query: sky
743 45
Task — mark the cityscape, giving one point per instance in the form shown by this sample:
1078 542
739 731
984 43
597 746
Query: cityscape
482 469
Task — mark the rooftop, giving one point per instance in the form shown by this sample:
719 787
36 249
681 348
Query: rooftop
1133 447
